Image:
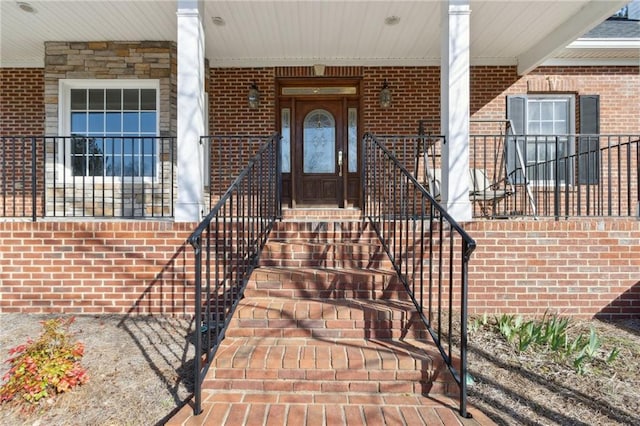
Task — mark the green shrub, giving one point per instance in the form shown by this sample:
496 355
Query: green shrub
550 335
44 367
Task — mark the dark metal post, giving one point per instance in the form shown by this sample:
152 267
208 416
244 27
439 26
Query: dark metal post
197 368
34 175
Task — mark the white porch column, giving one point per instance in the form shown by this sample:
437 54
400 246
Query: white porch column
454 108
191 111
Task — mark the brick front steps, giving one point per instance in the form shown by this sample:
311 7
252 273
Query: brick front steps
326 335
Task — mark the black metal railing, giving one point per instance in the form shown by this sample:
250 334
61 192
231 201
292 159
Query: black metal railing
558 176
226 156
21 186
78 176
226 245
429 250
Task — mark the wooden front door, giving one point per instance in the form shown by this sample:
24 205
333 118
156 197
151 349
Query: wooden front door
319 153
319 120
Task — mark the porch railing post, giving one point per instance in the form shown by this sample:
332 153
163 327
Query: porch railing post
34 175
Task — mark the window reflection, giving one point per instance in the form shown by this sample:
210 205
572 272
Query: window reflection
100 118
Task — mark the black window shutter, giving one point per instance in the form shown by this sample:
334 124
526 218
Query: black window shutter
588 160
516 112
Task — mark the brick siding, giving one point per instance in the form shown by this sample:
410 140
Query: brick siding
96 268
580 268
21 102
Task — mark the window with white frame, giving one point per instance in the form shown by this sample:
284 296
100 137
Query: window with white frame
544 144
113 127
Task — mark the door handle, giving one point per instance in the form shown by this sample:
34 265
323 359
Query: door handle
340 163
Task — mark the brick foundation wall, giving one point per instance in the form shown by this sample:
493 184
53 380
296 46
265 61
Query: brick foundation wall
580 268
96 268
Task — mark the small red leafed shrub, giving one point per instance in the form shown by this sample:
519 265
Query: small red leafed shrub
45 367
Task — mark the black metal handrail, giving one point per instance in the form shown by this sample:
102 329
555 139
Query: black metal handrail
81 176
430 251
230 239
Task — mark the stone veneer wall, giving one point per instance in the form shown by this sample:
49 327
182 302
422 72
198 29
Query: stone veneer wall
112 60
143 60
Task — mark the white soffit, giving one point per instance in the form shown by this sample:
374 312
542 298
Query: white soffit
303 32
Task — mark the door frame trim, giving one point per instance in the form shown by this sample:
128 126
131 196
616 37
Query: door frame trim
327 88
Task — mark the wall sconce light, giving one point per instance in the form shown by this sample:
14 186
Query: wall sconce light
254 96
385 95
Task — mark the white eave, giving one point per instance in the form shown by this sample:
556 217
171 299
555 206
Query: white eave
331 32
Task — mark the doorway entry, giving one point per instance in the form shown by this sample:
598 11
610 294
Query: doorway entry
320 150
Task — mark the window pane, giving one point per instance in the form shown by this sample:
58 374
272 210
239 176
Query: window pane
319 142
96 164
96 122
128 146
546 128
148 122
286 140
113 146
130 99
534 110
148 99
353 140
78 99
114 99
130 122
148 146
78 122
114 123
77 166
546 110
148 164
96 99
127 165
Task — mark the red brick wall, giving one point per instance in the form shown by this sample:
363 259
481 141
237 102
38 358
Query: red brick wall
96 268
21 114
618 87
415 91
580 268
415 95
229 112
21 101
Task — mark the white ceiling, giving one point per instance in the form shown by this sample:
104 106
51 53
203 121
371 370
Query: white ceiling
332 32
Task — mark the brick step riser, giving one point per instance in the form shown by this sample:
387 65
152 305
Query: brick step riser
326 333
363 251
325 294
320 284
323 238
394 387
325 263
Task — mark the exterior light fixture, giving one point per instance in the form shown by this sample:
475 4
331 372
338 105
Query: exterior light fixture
254 96
385 95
